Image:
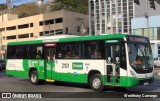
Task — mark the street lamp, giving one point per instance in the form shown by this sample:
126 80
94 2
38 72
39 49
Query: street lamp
147 17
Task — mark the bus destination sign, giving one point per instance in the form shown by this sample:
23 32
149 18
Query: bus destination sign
138 39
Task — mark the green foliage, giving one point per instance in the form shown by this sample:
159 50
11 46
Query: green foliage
80 6
3 7
29 9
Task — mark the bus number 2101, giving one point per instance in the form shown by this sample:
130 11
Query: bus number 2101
65 65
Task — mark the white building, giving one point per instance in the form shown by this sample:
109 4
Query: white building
114 16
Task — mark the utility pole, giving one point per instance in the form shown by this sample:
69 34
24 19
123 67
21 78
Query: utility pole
147 19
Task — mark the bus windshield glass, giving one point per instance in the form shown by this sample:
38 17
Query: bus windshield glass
140 57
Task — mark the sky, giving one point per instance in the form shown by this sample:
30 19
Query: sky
18 3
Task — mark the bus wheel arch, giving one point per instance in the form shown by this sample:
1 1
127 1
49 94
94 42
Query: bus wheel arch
95 80
30 70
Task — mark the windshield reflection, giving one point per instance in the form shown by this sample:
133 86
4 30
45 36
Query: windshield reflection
140 56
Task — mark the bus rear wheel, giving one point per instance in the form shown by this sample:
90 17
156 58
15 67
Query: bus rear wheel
96 82
34 78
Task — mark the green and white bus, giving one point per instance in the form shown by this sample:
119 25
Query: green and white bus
105 60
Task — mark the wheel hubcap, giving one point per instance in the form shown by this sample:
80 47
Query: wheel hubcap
33 78
96 83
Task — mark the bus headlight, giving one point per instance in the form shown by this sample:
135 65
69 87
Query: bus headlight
133 74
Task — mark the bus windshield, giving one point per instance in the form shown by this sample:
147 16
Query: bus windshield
140 57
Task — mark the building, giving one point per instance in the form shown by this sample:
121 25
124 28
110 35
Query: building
64 22
139 27
114 16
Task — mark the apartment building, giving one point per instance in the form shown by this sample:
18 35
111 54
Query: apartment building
114 16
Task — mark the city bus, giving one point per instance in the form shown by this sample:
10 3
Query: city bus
120 60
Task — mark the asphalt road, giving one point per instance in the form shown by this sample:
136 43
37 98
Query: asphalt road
14 84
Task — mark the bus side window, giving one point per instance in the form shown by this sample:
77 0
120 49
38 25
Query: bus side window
93 50
60 51
69 51
39 55
39 51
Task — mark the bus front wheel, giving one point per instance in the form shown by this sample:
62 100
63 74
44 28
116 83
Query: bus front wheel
96 82
34 78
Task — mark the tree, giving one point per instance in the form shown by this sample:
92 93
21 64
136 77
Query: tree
80 6
3 7
29 9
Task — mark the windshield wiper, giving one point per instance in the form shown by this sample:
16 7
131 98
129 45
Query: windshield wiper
146 63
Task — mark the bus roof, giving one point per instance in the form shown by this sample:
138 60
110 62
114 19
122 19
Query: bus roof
70 39
56 37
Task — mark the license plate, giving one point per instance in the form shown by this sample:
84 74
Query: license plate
145 83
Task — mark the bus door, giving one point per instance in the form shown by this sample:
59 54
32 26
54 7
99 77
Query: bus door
50 51
113 63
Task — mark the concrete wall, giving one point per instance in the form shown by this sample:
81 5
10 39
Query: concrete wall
7 17
71 21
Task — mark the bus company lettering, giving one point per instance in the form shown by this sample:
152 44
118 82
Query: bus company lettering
48 67
32 63
41 63
87 65
50 40
11 65
77 65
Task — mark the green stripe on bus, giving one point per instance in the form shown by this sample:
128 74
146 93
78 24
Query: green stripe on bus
83 78
22 74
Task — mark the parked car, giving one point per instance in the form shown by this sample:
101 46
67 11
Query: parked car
157 62
2 65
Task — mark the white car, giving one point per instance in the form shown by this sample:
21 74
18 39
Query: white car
157 62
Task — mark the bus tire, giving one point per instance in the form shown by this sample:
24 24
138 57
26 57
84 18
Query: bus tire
96 82
34 78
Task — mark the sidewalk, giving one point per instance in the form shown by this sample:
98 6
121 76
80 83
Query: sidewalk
157 71
2 73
